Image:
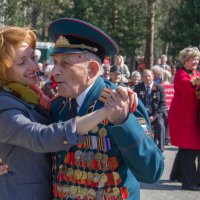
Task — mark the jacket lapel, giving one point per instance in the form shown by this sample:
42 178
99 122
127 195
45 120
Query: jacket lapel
92 95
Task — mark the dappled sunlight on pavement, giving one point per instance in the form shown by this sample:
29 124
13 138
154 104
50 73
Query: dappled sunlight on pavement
164 189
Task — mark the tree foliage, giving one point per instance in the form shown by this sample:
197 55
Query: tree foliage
177 22
124 20
183 26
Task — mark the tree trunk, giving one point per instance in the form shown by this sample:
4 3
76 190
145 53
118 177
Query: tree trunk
132 62
43 26
149 49
2 14
34 17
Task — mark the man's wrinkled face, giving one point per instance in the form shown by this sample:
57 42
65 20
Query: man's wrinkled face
147 77
71 72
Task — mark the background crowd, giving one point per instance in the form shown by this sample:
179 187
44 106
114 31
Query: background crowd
117 71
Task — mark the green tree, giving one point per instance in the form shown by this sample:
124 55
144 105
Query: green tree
183 26
123 20
149 50
35 14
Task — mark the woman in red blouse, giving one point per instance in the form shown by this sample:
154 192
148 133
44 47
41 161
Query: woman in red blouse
183 117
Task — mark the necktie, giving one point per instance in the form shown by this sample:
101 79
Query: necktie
148 99
72 109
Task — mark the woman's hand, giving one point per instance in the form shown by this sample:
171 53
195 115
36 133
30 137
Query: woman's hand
195 81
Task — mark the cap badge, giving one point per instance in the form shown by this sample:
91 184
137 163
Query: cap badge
64 42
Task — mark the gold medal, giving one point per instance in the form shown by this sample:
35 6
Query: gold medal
84 192
73 189
84 175
79 192
81 195
98 157
116 176
91 192
65 189
77 174
105 161
90 177
115 191
95 129
59 188
102 132
70 172
103 179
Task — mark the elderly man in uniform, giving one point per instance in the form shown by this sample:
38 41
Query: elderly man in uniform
119 152
153 97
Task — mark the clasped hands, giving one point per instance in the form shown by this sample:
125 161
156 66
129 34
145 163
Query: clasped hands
121 102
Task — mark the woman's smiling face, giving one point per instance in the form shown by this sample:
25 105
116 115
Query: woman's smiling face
24 67
192 63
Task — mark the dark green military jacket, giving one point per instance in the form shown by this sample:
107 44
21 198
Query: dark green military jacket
113 159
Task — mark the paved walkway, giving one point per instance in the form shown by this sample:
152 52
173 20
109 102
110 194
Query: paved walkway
165 189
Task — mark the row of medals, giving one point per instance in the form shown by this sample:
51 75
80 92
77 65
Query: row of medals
78 192
79 176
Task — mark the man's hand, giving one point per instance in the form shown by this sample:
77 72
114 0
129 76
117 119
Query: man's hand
118 105
3 168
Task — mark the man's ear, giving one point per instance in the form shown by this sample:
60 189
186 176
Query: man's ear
93 69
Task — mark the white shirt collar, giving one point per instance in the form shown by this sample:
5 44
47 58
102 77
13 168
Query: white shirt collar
151 85
80 99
